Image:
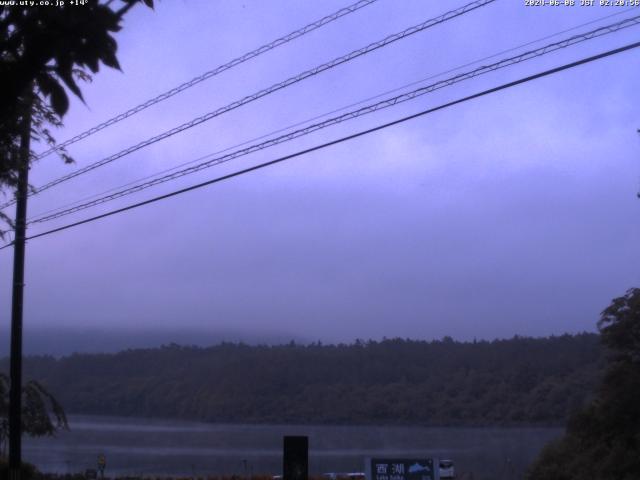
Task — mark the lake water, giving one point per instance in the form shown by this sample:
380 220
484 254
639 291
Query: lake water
135 446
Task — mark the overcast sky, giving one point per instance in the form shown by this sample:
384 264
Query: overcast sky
511 214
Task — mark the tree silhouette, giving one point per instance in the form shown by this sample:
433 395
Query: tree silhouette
44 50
603 440
42 415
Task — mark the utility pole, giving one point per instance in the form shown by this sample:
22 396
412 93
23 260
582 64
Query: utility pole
15 394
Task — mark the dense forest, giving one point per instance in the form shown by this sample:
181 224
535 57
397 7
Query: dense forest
602 440
502 382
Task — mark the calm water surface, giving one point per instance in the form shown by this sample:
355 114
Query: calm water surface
144 447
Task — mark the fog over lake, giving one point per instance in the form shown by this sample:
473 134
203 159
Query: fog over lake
134 446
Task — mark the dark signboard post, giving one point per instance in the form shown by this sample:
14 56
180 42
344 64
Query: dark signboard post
296 458
402 469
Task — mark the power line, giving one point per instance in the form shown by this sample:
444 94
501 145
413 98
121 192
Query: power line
344 139
212 73
273 88
322 115
389 102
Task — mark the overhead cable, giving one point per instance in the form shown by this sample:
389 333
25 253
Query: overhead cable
341 140
212 73
389 102
273 88
323 115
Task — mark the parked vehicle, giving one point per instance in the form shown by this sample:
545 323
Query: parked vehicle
446 469
344 476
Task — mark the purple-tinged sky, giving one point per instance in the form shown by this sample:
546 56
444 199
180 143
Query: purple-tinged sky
511 214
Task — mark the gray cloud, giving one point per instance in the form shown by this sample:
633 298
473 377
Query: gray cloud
512 214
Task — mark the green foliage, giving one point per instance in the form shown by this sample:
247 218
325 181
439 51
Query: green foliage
45 45
27 471
603 440
42 415
42 51
503 382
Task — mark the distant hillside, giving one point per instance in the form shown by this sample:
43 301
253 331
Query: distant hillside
66 340
503 382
